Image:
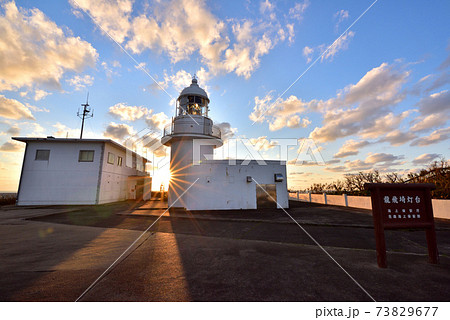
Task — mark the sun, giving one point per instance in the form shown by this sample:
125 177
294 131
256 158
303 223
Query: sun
161 176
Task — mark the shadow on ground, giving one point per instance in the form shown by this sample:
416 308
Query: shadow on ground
258 255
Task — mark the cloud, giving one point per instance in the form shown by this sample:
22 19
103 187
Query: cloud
81 82
425 158
261 143
397 137
333 161
40 94
338 45
13 130
430 83
109 69
435 103
266 6
180 28
291 122
363 108
35 51
63 131
157 121
280 113
253 41
435 137
446 63
374 161
118 131
438 82
128 113
341 15
434 110
384 124
11 146
351 148
382 158
112 15
13 109
300 173
307 52
152 142
297 11
336 169
226 130
36 109
35 129
291 33
427 122
180 80
357 165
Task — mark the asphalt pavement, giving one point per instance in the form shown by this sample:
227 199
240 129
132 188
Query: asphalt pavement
56 253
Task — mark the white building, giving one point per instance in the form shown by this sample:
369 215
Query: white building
59 171
200 183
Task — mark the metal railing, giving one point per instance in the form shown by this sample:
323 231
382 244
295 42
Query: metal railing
213 131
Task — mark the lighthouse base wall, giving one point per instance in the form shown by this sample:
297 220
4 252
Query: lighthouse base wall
223 185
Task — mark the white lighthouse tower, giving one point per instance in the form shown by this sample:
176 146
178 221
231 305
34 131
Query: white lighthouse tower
191 136
199 182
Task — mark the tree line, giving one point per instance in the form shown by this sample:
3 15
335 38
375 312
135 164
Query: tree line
437 173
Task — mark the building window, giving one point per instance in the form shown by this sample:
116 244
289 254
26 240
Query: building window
111 158
119 161
139 166
42 155
86 156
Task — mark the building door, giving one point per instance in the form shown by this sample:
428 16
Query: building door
266 196
140 189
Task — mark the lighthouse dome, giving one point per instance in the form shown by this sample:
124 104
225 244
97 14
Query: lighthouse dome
194 90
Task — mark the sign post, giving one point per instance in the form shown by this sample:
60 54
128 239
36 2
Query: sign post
402 206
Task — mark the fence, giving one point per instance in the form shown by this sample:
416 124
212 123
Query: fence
441 207
204 128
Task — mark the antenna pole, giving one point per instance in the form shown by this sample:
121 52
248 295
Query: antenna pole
82 122
85 114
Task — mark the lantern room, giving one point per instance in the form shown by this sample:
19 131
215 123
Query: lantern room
193 100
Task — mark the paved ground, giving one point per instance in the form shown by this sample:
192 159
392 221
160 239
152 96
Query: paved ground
55 253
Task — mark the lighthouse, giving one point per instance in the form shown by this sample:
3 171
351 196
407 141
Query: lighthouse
198 182
191 135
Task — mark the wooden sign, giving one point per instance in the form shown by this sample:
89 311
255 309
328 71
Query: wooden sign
402 206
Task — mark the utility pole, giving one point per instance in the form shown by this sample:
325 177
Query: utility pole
85 114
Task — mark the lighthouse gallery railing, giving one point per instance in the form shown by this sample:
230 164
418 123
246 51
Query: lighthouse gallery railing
205 129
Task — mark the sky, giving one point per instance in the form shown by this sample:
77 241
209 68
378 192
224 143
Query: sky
349 85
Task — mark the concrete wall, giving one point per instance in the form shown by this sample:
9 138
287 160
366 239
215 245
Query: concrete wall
335 200
114 184
360 202
318 198
222 186
441 207
61 179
